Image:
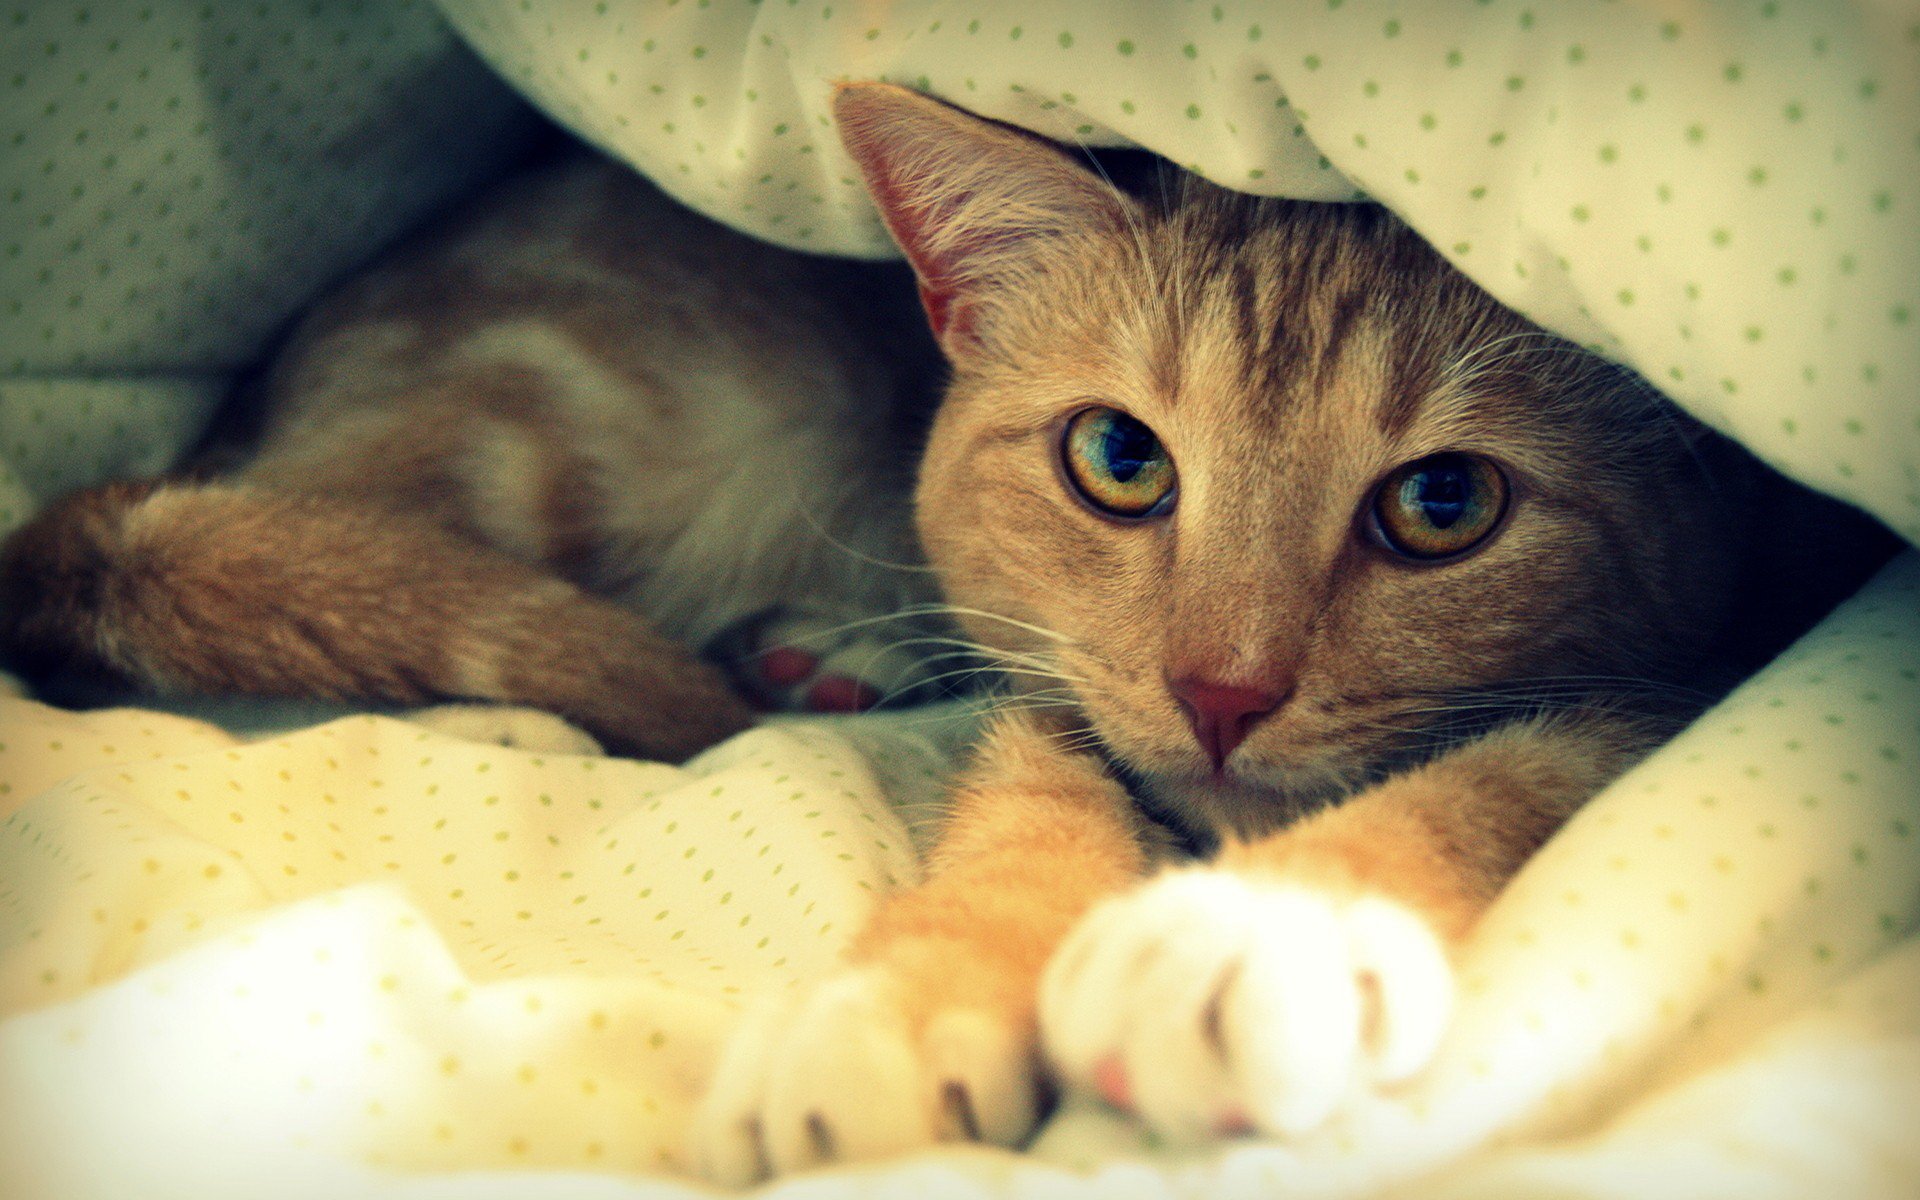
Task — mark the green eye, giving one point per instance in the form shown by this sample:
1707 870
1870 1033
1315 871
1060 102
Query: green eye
1439 506
1116 464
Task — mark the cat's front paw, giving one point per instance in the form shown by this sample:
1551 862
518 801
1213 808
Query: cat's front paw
868 1063
1209 1002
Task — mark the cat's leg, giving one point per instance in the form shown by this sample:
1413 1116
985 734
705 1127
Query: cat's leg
212 589
802 660
928 1033
1262 991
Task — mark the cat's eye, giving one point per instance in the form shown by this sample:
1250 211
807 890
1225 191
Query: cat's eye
1117 464
1440 506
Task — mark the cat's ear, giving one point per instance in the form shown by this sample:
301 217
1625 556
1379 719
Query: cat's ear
971 201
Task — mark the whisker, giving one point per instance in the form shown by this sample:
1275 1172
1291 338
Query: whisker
967 672
1080 743
989 660
799 500
845 627
962 610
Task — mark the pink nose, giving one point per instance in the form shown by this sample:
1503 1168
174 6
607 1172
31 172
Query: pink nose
1222 714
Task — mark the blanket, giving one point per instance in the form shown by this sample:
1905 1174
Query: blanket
365 958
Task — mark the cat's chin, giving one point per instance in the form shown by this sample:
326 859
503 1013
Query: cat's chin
1245 803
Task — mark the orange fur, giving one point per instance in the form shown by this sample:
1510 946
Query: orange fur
1445 837
1036 836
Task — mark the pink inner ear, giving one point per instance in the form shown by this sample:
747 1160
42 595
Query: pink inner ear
946 290
937 305
910 228
946 301
961 195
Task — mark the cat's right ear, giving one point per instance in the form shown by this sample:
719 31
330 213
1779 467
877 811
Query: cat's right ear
972 202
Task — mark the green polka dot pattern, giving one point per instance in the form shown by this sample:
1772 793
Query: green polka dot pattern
177 179
1745 870
1722 199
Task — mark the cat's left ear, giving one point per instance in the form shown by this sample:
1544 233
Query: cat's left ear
975 204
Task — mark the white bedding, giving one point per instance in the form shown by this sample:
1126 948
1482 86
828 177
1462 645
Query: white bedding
368 959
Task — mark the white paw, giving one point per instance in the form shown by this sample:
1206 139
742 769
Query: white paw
806 662
846 1073
507 725
1210 1003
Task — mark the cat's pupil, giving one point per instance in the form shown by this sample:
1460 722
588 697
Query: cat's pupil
1441 494
1129 448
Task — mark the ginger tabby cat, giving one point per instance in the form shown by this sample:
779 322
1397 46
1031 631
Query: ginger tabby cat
1329 563
1310 556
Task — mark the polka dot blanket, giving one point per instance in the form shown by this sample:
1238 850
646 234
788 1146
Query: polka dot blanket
368 959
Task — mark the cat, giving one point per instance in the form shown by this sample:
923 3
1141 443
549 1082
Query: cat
560 452
1330 589
1322 565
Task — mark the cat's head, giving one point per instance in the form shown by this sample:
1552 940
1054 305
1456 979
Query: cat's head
1262 492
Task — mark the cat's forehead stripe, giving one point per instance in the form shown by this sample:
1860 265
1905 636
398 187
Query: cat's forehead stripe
1335 338
1314 298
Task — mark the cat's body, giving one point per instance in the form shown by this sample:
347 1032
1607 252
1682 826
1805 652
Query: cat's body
468 468
597 381
1177 484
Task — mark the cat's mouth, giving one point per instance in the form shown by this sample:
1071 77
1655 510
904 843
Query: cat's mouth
1202 802
1206 806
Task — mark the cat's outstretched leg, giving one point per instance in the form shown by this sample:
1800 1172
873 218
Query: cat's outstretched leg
1264 991
217 589
928 1033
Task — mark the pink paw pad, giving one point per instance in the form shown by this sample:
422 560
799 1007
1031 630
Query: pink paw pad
1110 1080
784 666
840 694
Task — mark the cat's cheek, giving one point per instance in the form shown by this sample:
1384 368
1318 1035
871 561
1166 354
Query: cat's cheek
1210 1003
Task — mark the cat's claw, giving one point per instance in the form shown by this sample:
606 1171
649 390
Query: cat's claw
1211 1003
849 1072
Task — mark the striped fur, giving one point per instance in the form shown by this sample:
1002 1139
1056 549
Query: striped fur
544 456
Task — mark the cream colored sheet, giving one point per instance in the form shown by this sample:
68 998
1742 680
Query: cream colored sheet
365 957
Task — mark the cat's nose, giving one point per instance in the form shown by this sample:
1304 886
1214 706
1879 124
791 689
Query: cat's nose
1222 714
